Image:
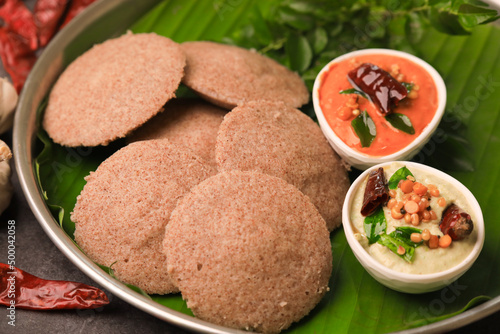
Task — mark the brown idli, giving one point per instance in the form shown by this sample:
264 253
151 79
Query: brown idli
275 139
190 123
248 250
121 214
112 89
228 75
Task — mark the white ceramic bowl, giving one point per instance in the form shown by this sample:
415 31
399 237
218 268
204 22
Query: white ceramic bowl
412 283
363 161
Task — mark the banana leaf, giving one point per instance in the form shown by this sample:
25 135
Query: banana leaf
467 145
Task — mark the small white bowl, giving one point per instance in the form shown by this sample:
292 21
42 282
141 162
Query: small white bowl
412 283
364 161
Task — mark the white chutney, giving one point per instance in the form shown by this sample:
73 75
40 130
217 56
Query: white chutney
426 260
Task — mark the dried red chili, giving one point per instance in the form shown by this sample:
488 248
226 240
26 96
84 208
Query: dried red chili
17 18
74 9
18 41
48 14
456 222
17 57
27 291
376 192
384 91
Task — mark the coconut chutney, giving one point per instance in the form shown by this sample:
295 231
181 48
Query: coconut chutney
426 260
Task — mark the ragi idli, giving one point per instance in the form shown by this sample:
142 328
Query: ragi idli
279 140
112 89
248 250
227 75
121 214
192 123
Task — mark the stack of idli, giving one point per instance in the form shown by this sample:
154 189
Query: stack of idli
228 199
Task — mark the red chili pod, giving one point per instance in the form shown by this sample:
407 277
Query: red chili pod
456 222
18 41
48 14
376 192
384 91
27 291
18 19
17 57
75 8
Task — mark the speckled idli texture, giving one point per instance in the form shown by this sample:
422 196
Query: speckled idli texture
228 75
121 214
191 123
112 89
275 139
248 250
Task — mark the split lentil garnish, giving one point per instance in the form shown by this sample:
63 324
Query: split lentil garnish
411 203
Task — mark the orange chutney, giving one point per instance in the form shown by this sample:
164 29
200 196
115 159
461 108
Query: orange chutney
388 140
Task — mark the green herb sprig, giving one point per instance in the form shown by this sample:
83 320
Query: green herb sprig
306 35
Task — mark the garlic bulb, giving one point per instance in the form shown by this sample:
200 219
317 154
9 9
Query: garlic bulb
8 102
5 185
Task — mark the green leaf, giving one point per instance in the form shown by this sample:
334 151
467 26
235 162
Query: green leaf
365 129
436 2
393 244
401 122
448 149
404 233
447 22
414 28
303 7
354 91
471 16
318 39
299 52
408 86
374 225
398 175
296 20
473 302
109 270
261 29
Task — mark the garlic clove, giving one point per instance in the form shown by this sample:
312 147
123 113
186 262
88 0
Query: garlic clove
5 173
5 153
6 188
8 102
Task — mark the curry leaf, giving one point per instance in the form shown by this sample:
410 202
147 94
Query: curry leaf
408 86
354 91
404 233
447 22
299 52
398 175
365 129
296 20
401 122
393 244
414 27
374 225
471 16
318 39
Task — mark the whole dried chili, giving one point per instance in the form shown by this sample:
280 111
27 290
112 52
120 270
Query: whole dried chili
384 91
27 291
48 15
75 8
376 192
18 41
456 222
18 18
17 57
